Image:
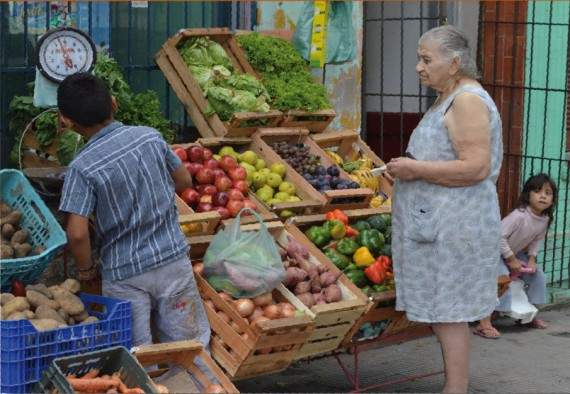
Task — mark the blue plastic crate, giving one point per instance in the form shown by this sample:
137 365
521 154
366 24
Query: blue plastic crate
25 353
44 229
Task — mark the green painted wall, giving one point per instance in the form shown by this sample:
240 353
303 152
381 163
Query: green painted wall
545 119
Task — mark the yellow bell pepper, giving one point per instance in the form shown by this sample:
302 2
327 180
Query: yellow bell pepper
362 257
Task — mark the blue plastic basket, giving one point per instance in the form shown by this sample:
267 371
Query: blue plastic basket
38 220
26 353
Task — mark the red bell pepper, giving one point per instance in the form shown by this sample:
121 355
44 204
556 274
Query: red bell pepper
338 215
350 232
385 262
376 273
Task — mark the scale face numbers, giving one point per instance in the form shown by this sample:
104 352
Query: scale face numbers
65 51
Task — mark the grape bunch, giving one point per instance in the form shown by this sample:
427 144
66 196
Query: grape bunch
309 166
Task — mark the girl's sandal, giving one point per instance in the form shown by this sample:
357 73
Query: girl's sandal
487 332
539 324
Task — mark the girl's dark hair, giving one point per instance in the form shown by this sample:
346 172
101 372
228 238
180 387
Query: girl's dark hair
534 184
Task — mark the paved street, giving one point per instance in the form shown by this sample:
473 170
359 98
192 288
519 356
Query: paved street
521 361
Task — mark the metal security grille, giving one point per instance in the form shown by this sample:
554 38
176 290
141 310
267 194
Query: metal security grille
132 31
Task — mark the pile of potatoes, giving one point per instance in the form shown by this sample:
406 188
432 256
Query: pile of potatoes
47 308
15 242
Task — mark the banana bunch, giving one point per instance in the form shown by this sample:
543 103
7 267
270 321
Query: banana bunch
365 178
334 157
379 200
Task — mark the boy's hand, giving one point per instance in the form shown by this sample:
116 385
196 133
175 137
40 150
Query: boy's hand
514 265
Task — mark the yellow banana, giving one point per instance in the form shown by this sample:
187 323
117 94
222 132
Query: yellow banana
334 157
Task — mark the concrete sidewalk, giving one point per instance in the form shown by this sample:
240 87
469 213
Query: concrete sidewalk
521 361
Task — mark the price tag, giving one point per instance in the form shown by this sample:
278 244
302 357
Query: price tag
319 34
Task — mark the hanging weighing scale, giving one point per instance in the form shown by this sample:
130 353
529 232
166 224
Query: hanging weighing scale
64 51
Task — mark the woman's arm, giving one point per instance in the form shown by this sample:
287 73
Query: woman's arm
468 125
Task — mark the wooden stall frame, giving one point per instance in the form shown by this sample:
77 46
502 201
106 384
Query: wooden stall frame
315 121
191 95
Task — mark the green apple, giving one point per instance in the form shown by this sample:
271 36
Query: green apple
249 157
287 187
278 168
293 199
286 213
248 167
265 193
259 179
259 164
281 196
274 180
274 201
217 157
264 171
227 150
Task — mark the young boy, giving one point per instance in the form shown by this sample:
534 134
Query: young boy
126 176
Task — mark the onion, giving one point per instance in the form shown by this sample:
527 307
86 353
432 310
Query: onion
264 351
260 319
244 336
287 312
263 300
272 311
244 307
225 296
215 389
257 312
198 268
224 317
236 327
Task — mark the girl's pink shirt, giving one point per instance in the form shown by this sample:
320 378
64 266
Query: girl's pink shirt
522 230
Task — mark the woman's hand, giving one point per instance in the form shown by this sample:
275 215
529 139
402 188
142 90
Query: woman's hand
402 168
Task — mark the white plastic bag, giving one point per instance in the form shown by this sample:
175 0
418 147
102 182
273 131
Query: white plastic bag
520 307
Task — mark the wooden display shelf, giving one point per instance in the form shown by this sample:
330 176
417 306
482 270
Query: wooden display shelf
310 201
207 221
184 354
191 95
359 198
348 144
332 321
315 122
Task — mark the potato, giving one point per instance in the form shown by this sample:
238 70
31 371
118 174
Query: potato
45 312
8 230
80 317
19 237
6 252
30 314
5 209
36 299
13 218
18 304
71 285
22 250
90 319
5 298
63 314
71 321
17 316
46 324
40 287
37 250
68 301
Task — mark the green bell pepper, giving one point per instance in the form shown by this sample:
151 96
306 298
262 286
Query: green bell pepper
318 235
336 228
388 234
367 290
361 225
357 277
339 260
372 239
380 288
377 222
347 246
387 251
387 218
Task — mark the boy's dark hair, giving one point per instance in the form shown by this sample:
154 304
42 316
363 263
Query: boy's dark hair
85 99
533 184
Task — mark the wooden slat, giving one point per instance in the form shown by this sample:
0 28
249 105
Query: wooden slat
296 118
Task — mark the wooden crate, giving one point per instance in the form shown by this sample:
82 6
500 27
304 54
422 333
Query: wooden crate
332 321
184 354
330 199
190 94
310 202
207 221
315 122
348 144
238 355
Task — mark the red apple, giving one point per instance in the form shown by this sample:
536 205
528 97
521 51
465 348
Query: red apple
227 163
211 164
241 186
234 206
238 174
200 189
188 166
218 172
221 199
223 183
206 199
204 207
194 168
210 190
190 196
235 194
195 154
224 212
205 176
247 203
180 152
207 154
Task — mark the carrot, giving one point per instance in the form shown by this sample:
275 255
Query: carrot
91 374
95 385
135 390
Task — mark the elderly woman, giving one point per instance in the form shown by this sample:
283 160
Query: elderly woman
446 220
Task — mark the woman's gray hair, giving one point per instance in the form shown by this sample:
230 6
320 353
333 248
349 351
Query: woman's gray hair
454 43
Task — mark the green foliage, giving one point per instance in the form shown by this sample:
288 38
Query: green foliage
69 144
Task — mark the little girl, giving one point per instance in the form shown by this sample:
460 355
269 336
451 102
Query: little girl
523 232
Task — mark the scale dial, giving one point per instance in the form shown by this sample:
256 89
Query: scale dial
65 51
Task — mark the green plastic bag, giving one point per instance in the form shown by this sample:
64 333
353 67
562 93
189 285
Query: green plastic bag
341 40
243 263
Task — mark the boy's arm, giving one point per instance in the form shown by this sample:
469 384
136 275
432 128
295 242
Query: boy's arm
180 175
80 245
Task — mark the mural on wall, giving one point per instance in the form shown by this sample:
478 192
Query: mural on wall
343 81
